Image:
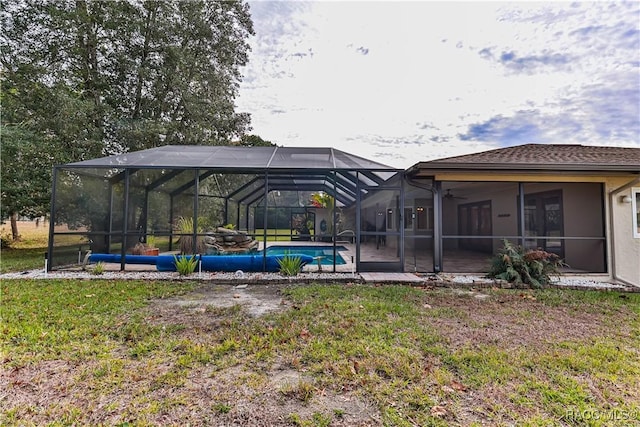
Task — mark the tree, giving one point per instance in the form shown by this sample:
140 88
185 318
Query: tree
254 141
26 176
94 78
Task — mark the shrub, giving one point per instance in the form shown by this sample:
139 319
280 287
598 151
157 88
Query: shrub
290 265
5 241
185 227
185 265
151 241
533 267
98 269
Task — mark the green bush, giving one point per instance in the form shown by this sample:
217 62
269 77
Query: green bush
98 269
185 226
5 241
532 267
185 265
290 265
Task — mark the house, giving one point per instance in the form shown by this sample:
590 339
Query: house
580 202
448 215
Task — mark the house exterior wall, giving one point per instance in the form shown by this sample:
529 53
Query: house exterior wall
624 254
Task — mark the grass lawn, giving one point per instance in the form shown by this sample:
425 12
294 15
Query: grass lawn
28 252
97 352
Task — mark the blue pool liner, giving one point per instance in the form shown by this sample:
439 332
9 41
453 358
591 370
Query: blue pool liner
248 263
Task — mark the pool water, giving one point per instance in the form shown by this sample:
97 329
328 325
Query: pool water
315 251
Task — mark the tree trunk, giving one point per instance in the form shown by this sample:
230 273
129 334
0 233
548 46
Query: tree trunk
14 226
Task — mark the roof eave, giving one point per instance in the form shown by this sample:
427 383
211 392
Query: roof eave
419 168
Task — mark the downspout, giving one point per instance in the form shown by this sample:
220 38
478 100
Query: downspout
612 194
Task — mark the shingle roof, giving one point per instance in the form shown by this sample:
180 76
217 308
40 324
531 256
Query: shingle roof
544 157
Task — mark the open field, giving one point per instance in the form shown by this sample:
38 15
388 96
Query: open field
148 353
28 252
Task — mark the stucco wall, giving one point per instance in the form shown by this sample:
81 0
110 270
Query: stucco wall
626 247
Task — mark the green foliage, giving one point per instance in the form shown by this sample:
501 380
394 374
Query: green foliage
254 141
170 76
185 227
5 240
322 200
27 161
84 79
290 265
185 265
151 241
221 408
515 265
98 269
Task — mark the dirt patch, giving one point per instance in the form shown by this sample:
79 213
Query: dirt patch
255 300
510 320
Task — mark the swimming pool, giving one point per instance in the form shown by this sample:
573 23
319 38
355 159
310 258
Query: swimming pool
315 251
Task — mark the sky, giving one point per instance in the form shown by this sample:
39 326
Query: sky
403 82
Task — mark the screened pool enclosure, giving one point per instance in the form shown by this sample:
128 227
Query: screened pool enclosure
342 212
227 200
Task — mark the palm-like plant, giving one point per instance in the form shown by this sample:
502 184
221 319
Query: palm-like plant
185 227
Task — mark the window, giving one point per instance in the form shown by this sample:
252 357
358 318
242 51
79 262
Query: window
635 204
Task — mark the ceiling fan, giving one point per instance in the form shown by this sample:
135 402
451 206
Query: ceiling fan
450 196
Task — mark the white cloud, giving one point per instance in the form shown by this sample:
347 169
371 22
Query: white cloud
400 82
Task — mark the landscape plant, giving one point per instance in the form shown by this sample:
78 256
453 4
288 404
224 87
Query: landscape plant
290 265
185 227
98 269
151 241
185 265
519 266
